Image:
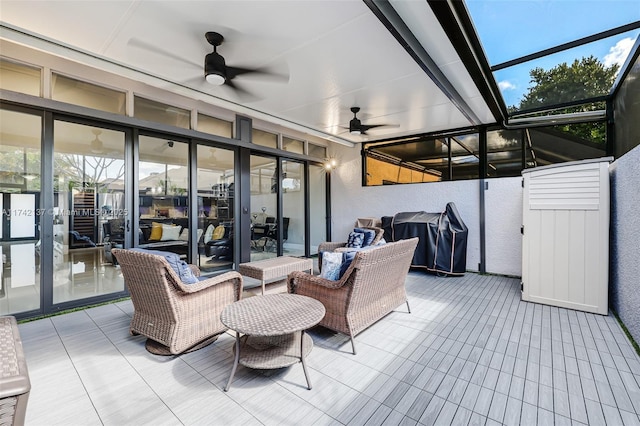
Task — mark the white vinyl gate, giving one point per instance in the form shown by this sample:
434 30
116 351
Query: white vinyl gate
565 251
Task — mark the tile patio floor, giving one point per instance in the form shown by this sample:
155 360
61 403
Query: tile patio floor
471 352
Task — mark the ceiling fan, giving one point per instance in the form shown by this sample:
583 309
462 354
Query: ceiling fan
357 128
96 145
217 72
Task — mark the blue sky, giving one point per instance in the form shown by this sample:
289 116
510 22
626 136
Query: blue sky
509 29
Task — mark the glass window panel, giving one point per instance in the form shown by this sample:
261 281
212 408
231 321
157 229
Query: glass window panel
264 207
216 192
317 151
20 140
504 153
512 29
318 206
292 208
557 144
163 194
158 112
465 159
580 73
215 126
408 162
292 145
85 94
260 137
20 78
89 176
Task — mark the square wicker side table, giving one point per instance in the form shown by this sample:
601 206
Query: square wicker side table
268 270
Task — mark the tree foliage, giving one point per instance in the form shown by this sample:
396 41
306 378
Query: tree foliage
583 79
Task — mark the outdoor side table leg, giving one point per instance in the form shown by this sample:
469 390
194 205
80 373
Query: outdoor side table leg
235 362
304 365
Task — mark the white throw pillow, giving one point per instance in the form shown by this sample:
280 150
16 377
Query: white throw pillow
208 235
331 262
170 232
184 235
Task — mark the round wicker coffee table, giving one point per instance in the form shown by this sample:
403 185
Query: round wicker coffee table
273 326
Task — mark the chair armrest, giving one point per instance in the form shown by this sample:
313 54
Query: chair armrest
231 276
299 278
195 270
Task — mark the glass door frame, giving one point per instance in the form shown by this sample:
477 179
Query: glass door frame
47 203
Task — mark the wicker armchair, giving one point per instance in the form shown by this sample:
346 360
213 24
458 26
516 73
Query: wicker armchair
372 287
175 317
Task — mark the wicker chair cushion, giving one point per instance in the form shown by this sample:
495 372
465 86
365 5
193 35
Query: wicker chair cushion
355 239
369 235
331 263
180 267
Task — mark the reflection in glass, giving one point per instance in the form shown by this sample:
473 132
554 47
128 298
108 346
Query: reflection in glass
260 137
264 207
19 78
318 207
89 95
214 126
20 197
216 192
292 145
163 175
465 159
317 150
504 153
293 208
89 176
158 112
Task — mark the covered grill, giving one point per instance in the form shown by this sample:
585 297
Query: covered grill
443 238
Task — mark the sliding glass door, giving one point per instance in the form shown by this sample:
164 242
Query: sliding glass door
20 183
293 223
89 210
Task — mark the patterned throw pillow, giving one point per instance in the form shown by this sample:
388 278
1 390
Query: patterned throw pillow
369 235
331 263
355 240
347 258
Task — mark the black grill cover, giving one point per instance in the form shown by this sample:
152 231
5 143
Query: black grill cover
443 238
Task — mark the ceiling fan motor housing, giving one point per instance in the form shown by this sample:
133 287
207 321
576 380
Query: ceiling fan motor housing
355 126
214 68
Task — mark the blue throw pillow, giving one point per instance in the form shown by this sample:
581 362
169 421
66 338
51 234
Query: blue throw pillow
355 239
180 267
347 258
369 235
331 262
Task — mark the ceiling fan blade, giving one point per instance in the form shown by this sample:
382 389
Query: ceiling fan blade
366 127
265 73
136 42
241 92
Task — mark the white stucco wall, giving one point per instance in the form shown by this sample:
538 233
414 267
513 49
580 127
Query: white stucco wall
503 203
350 200
624 287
